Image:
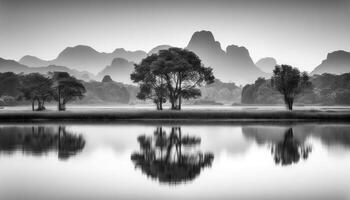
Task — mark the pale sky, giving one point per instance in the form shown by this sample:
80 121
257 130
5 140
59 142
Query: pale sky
299 32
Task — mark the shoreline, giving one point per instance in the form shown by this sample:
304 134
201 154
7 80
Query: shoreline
183 115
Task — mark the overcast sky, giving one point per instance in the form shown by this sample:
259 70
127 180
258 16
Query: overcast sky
299 32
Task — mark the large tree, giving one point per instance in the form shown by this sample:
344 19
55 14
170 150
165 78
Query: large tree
289 82
37 87
67 88
179 70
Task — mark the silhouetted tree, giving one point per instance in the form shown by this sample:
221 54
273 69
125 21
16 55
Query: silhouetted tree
290 150
157 93
180 70
289 82
162 156
68 88
152 86
37 87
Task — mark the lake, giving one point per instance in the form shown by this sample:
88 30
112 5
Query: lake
174 161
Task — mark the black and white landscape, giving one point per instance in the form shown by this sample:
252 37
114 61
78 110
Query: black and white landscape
174 99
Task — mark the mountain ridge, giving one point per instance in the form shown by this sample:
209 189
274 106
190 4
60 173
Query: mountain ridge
119 70
229 65
16 67
84 57
232 64
336 62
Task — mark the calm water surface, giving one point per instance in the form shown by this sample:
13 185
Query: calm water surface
130 161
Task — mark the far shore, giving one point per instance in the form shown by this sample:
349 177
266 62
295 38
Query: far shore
261 115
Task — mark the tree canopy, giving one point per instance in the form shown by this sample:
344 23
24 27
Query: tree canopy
171 74
37 87
67 87
289 82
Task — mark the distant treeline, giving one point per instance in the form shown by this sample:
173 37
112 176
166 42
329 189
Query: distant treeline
109 91
327 89
221 92
11 85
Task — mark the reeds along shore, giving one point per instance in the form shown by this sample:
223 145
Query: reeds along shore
179 115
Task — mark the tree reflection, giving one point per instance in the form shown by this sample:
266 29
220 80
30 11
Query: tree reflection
167 157
290 149
69 144
40 140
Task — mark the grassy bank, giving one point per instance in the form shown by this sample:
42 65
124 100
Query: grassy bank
246 115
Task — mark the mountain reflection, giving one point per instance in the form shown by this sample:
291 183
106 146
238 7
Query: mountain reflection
164 157
289 150
39 140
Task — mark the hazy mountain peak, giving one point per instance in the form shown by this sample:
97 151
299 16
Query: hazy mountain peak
107 79
266 64
119 70
337 62
234 65
81 50
29 57
237 50
122 50
158 48
3 60
338 55
119 50
203 39
32 61
119 62
11 66
240 56
203 34
134 56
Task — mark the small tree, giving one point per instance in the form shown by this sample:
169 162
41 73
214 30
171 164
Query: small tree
37 87
151 86
67 88
289 82
157 93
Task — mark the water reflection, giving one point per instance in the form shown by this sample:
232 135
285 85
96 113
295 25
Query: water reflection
39 140
288 145
168 157
244 166
290 149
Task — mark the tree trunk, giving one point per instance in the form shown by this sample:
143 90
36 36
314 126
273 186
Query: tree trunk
160 104
179 106
63 106
179 95
157 104
60 107
38 109
33 102
40 105
289 102
172 101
